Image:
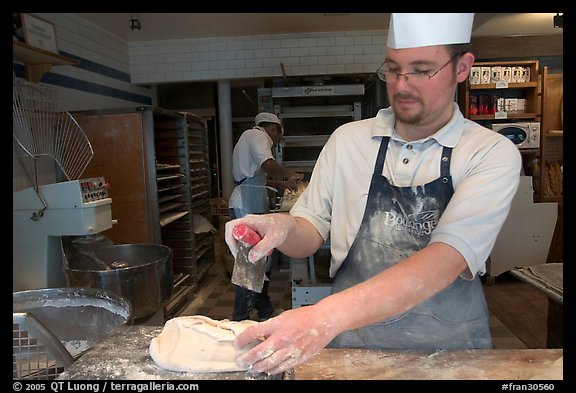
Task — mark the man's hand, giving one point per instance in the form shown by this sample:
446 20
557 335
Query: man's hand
272 228
288 340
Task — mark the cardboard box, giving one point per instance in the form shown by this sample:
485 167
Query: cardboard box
507 74
526 74
521 105
501 105
474 76
511 105
485 75
496 74
517 74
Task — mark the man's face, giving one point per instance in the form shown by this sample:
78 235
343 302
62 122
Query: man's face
418 100
276 133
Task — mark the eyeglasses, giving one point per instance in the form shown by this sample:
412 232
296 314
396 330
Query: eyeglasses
414 78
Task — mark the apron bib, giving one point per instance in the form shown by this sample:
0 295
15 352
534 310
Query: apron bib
397 222
250 196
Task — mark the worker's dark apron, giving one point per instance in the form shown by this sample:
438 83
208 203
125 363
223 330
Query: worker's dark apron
397 222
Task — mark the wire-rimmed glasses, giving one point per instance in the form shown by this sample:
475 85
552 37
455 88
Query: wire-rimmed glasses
391 76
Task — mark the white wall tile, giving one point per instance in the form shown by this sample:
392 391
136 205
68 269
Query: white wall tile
212 58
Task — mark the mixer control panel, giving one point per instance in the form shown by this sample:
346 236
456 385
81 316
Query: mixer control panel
93 189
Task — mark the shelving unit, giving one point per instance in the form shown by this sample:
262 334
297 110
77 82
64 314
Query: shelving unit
157 168
552 130
528 90
524 245
37 61
199 164
552 155
531 91
176 221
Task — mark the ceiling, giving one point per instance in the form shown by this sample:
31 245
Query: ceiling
168 26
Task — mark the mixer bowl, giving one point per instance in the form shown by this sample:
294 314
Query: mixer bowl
141 273
78 317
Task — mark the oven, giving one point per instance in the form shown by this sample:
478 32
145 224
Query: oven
524 135
309 115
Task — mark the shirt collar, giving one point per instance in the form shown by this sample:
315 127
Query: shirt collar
448 136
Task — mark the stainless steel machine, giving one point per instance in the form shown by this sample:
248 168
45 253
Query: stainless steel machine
45 215
49 140
76 207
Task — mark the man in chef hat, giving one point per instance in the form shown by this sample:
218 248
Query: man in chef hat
412 206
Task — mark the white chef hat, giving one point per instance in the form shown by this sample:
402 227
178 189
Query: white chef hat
268 118
426 29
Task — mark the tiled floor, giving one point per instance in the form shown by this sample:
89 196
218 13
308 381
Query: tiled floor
215 299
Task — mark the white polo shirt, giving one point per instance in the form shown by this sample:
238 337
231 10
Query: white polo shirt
485 169
253 148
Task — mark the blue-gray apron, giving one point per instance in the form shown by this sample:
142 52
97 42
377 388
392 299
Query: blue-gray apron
250 196
397 222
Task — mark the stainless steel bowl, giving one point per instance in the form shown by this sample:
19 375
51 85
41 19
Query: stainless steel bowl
142 273
78 317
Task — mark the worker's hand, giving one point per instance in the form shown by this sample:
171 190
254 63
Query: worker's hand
294 181
292 185
288 340
272 228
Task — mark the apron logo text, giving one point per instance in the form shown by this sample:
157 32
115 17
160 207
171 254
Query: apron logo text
422 225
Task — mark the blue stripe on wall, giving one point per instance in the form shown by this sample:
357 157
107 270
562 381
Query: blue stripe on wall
82 85
98 68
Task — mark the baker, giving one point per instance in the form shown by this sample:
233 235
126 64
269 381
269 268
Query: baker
254 167
412 201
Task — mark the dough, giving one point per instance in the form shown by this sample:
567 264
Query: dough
199 344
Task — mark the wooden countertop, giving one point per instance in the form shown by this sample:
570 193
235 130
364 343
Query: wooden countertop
504 364
124 355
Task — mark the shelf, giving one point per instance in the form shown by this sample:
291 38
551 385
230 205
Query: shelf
535 152
554 133
555 198
170 177
170 206
160 166
37 61
166 198
170 188
168 218
523 115
492 86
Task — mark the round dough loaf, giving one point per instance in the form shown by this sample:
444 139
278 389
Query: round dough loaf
199 344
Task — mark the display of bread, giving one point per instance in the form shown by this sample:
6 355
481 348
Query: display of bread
199 344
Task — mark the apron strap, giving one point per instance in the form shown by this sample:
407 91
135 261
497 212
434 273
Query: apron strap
445 162
237 183
379 167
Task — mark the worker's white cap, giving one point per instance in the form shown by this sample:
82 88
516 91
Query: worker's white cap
265 117
427 29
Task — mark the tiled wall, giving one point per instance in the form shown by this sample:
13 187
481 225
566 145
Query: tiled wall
102 78
116 74
212 59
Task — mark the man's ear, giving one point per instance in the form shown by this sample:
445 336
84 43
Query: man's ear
464 65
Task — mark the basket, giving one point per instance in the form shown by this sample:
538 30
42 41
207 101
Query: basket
219 207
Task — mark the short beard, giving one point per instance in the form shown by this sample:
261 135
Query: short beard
415 119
